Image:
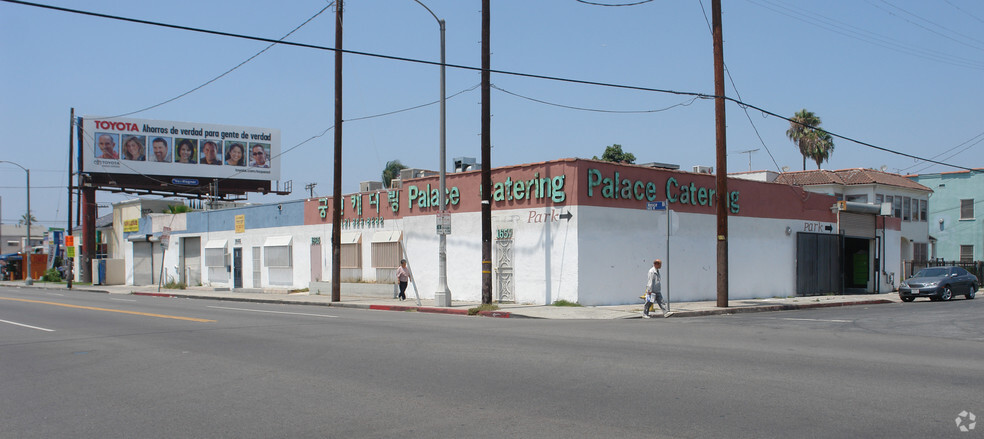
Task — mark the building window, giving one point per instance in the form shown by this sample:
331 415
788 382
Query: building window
966 253
922 211
386 250
879 198
351 250
215 252
277 252
862 198
920 251
905 208
967 209
897 207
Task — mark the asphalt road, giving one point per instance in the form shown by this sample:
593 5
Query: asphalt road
89 365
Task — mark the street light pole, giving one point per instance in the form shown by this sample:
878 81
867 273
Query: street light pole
27 252
443 295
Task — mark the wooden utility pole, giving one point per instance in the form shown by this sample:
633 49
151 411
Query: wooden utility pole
336 215
69 269
486 160
723 197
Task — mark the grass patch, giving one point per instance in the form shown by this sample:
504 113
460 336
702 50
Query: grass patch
483 307
563 302
172 285
300 290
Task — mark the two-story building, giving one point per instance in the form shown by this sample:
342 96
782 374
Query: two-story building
898 196
956 217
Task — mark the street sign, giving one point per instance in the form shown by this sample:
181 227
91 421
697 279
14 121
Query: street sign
656 205
165 237
444 223
69 241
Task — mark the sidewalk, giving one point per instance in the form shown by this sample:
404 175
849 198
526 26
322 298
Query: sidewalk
506 310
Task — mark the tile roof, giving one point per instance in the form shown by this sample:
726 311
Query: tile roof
848 177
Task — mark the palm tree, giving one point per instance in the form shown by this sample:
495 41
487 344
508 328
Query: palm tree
24 219
823 145
801 125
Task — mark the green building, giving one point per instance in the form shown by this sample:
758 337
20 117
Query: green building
956 214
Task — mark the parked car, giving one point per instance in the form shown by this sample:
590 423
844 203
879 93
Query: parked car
939 283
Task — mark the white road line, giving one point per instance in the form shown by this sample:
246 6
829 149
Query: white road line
28 326
273 312
821 320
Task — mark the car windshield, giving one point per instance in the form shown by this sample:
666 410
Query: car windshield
932 272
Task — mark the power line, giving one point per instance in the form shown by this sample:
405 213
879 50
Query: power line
230 70
478 69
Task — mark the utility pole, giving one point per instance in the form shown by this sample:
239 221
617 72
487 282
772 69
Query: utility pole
310 188
723 197
486 160
336 215
71 153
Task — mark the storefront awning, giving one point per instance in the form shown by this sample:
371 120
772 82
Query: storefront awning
387 236
351 237
217 243
277 241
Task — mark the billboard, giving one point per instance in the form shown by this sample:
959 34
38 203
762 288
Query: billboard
181 152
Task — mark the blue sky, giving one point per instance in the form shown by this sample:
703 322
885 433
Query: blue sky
902 75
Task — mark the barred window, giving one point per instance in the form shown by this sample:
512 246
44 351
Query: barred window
967 209
966 253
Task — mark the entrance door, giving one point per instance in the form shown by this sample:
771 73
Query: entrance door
504 282
191 261
857 256
237 267
316 261
143 263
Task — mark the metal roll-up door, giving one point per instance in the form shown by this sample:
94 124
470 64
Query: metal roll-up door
857 224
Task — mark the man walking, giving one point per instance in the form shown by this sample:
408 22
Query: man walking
653 286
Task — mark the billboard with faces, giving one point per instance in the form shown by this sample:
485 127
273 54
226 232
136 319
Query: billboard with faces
179 149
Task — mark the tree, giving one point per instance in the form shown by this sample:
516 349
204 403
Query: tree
614 154
392 171
823 145
23 220
813 142
177 208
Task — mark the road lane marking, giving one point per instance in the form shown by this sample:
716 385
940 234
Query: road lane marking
820 320
122 300
274 312
91 308
28 326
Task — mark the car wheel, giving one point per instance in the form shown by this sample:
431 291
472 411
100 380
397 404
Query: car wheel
946 294
973 291
906 298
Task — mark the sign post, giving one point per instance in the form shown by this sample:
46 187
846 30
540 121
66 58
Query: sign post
165 239
661 206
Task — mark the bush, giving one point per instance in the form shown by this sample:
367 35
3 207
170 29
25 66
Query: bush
172 285
52 275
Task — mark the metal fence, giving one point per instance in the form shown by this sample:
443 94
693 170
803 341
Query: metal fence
975 267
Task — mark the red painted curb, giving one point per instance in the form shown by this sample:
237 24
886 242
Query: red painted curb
135 293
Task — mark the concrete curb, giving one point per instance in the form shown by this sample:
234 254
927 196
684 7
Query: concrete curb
768 308
452 311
